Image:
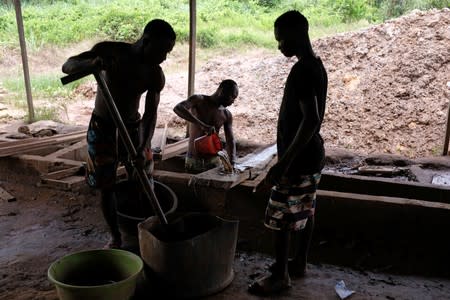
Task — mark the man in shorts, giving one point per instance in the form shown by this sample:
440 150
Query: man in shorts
206 114
130 69
301 155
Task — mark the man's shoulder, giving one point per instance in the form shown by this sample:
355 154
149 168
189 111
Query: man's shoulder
113 45
304 67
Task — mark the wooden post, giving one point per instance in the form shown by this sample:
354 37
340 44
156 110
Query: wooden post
447 129
192 48
192 44
23 50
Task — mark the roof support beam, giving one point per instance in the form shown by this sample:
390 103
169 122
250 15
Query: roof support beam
23 50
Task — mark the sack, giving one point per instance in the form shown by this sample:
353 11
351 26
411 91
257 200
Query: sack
208 144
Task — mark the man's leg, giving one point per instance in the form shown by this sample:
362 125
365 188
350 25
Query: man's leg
302 239
108 204
282 241
279 279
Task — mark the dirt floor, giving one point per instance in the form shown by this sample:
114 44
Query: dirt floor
36 230
389 92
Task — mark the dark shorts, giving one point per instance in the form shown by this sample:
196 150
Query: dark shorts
290 206
105 152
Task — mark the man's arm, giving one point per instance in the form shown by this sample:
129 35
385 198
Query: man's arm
149 118
97 57
183 110
229 137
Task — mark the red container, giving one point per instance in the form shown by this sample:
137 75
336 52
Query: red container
208 144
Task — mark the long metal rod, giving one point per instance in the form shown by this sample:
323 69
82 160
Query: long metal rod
23 50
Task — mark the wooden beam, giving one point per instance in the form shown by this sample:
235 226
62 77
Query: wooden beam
383 187
192 45
66 150
23 50
33 144
257 181
447 132
396 201
174 149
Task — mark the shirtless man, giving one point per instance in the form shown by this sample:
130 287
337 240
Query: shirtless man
130 69
207 114
301 155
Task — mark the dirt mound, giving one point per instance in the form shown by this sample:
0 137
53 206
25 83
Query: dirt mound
387 87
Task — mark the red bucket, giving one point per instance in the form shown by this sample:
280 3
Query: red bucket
208 144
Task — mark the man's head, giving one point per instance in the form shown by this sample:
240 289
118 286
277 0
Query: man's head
158 39
291 32
227 92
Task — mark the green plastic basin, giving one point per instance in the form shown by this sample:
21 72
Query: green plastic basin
104 274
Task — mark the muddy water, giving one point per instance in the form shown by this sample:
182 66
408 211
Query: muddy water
94 275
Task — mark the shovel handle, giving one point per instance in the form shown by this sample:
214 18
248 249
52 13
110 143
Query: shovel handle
78 75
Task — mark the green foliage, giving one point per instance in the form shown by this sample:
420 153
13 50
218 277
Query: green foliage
352 10
238 22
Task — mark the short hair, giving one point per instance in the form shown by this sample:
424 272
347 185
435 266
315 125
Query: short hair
292 19
158 28
228 84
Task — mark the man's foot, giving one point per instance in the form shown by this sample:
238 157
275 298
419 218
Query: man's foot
269 285
295 269
113 244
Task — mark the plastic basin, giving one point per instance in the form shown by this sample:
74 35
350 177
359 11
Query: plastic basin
104 274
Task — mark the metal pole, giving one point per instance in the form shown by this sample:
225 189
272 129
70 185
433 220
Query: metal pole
23 50
192 39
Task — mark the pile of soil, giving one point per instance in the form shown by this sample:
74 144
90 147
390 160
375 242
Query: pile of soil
388 87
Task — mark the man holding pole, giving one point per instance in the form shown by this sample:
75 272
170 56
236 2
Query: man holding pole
130 70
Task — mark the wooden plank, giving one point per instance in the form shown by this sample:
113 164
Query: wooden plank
333 181
64 173
66 184
447 133
216 179
396 201
5 196
66 150
174 149
257 181
14 148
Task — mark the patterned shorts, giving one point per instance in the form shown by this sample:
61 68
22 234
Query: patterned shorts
290 205
104 152
197 165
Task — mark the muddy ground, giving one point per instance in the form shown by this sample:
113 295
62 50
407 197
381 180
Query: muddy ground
388 93
36 230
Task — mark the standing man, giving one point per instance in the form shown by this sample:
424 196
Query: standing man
301 155
129 70
208 114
